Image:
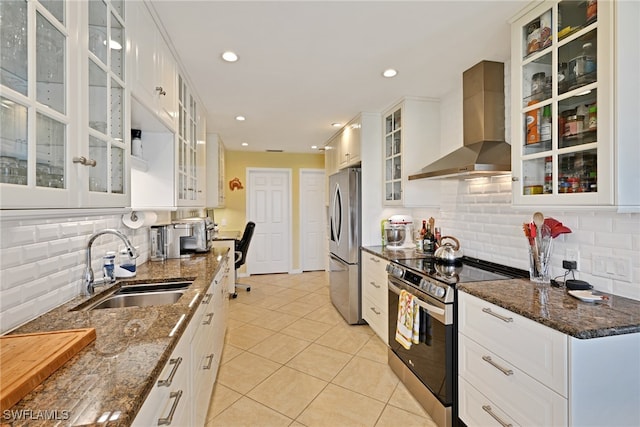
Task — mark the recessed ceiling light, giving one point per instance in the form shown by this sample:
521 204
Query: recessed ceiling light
240 118
229 56
390 72
314 147
245 144
336 125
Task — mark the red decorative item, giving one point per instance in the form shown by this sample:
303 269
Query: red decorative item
235 184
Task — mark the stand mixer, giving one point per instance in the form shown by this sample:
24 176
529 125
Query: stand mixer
398 232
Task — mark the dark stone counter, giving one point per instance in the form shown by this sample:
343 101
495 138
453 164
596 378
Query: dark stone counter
113 375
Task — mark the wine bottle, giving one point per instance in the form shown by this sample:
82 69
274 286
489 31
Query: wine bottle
429 242
423 230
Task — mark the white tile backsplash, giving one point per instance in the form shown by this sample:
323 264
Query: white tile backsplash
42 261
480 215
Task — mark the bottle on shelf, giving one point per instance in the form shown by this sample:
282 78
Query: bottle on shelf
533 131
545 124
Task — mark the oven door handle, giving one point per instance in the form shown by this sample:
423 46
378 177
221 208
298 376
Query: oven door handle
425 305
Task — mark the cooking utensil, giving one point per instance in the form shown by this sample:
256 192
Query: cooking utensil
538 220
448 253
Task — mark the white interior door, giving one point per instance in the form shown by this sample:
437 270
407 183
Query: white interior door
312 218
269 206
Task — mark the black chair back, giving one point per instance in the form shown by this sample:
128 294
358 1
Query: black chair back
242 245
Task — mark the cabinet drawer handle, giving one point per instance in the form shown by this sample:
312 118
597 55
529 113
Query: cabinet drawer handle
505 371
169 380
374 259
208 321
488 410
84 161
375 311
499 316
374 285
207 299
161 91
173 395
208 365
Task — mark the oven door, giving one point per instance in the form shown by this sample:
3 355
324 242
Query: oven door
431 360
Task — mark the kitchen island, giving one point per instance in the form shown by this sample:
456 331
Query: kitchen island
110 379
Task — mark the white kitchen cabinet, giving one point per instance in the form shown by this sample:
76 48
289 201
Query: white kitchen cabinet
169 400
574 123
411 139
331 155
154 70
207 343
515 370
215 171
348 143
189 188
375 294
63 134
171 163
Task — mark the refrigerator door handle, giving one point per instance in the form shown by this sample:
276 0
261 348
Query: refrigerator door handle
336 215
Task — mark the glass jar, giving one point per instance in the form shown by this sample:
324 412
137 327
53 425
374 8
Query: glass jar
537 86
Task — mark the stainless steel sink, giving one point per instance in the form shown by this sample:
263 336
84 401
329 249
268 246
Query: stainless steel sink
144 299
141 295
138 288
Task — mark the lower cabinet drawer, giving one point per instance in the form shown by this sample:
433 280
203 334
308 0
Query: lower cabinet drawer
536 349
376 317
477 410
521 397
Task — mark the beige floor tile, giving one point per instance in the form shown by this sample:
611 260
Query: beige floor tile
326 314
270 302
370 378
375 350
288 391
245 312
401 398
229 352
274 320
306 329
246 371
234 323
316 300
320 361
249 413
344 338
393 417
336 406
298 307
280 348
222 398
246 336
293 294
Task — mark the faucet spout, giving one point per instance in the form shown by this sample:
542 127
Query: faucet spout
88 277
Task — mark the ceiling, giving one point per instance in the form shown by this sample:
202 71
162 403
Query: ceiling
307 64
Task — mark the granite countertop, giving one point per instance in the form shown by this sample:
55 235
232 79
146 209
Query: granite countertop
391 254
114 374
555 308
226 235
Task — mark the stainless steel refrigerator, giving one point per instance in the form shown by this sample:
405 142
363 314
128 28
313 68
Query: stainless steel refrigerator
345 232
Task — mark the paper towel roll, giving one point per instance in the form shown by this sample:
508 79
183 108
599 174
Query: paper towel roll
138 219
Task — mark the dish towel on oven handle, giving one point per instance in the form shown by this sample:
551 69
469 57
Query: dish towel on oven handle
408 325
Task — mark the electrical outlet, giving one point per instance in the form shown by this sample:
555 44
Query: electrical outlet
617 268
572 254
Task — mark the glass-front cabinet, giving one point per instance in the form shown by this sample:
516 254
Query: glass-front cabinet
61 127
188 191
393 157
562 96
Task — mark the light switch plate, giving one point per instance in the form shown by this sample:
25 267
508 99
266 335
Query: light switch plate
616 268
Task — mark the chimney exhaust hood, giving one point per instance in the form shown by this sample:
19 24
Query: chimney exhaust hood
485 152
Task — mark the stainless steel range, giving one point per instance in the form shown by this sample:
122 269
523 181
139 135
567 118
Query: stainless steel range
429 368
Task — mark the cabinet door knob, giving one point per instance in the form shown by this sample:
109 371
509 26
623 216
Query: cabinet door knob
515 179
84 161
169 380
161 91
167 421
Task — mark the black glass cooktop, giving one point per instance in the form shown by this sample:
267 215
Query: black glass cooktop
467 270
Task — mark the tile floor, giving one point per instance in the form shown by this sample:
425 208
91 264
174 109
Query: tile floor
291 360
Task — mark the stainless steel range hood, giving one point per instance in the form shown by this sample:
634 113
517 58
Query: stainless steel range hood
485 151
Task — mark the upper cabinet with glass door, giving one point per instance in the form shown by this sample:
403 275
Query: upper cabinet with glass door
35 113
62 143
107 181
563 101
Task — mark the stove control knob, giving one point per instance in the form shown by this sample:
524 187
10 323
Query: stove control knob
395 271
439 292
424 284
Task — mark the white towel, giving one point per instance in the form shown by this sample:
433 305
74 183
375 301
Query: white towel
408 325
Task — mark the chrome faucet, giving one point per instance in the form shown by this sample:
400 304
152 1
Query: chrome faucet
88 272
